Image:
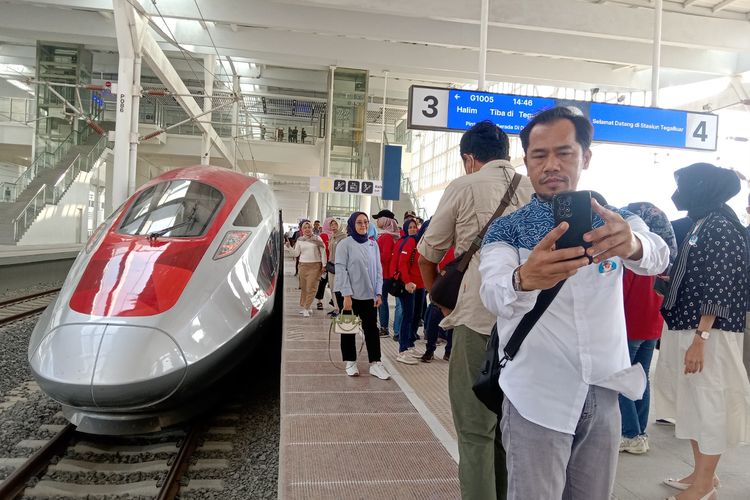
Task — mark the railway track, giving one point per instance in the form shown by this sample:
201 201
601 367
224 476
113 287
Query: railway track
79 465
21 307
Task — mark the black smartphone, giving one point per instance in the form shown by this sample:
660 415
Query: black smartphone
573 207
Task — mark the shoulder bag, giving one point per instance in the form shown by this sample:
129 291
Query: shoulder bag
398 287
444 291
487 385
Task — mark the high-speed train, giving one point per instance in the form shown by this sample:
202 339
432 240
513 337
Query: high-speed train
169 293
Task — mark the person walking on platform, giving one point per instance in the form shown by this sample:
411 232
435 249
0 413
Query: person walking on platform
339 235
464 209
359 278
560 418
388 235
700 376
303 134
312 261
644 324
325 235
411 301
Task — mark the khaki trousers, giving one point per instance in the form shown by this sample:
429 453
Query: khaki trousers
309 276
481 465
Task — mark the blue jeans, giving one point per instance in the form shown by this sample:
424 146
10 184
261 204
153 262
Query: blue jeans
432 329
397 318
409 321
635 413
383 311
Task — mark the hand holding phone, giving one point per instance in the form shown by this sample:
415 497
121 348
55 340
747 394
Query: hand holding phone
573 207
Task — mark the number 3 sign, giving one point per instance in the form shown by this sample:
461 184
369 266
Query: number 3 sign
428 107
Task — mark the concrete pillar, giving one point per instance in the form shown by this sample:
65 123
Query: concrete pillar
117 176
209 63
135 110
326 167
656 61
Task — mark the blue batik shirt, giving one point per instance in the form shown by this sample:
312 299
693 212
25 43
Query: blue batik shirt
526 227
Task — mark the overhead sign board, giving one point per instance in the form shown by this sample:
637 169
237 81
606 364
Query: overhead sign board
433 108
367 187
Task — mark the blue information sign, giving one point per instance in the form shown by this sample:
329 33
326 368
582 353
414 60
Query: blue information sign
451 109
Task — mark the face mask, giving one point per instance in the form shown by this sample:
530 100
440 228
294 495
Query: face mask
678 201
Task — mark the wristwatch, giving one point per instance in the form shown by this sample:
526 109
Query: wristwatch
703 334
517 279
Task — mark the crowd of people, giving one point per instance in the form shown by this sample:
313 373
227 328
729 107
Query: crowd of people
578 392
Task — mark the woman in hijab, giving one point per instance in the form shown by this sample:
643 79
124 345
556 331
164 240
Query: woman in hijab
644 325
312 261
337 236
700 377
359 278
326 233
411 301
388 235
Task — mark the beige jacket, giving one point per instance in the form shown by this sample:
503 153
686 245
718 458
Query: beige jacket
465 208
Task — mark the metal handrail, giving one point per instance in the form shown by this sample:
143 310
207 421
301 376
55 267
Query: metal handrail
52 194
407 188
44 159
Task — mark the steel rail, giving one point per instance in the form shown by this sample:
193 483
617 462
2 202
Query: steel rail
172 483
29 312
14 485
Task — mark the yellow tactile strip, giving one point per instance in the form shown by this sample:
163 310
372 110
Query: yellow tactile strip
349 437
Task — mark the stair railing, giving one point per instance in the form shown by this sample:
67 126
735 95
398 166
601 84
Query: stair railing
52 194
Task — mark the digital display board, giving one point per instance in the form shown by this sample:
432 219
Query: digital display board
452 109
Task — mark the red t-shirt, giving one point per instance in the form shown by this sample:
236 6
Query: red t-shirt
324 237
642 304
408 263
447 258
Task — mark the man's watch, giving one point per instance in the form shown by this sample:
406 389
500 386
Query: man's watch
517 279
703 334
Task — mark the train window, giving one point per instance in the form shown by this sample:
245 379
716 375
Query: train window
178 208
250 215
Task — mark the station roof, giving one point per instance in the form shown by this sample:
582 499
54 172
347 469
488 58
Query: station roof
285 44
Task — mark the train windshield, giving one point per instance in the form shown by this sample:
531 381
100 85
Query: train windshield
174 209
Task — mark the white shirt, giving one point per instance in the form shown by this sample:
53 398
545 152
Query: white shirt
579 341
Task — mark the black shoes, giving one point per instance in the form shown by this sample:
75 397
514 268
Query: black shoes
427 357
384 332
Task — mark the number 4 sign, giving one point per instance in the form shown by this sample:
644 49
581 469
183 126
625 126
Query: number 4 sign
700 132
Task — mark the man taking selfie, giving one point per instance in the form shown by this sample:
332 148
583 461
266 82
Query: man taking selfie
561 422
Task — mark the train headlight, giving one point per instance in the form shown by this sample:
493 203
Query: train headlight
231 242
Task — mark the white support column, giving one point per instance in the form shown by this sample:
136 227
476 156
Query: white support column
209 63
133 150
117 183
235 116
656 61
326 167
483 23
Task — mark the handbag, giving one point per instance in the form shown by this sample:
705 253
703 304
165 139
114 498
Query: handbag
346 324
330 267
397 287
487 385
447 284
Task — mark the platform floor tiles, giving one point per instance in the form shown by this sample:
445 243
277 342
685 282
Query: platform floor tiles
361 437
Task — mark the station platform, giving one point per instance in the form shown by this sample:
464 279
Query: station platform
361 437
22 267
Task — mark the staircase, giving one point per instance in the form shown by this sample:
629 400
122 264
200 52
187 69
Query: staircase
49 185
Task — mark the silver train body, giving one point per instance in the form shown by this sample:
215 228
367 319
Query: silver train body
169 294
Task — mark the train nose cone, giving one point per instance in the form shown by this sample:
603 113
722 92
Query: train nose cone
109 366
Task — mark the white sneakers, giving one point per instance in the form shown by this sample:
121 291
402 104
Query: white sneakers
378 370
305 312
637 445
414 353
352 370
406 358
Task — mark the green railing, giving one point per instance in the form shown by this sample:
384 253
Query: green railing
52 194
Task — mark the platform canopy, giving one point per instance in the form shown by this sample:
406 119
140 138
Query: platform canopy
596 44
